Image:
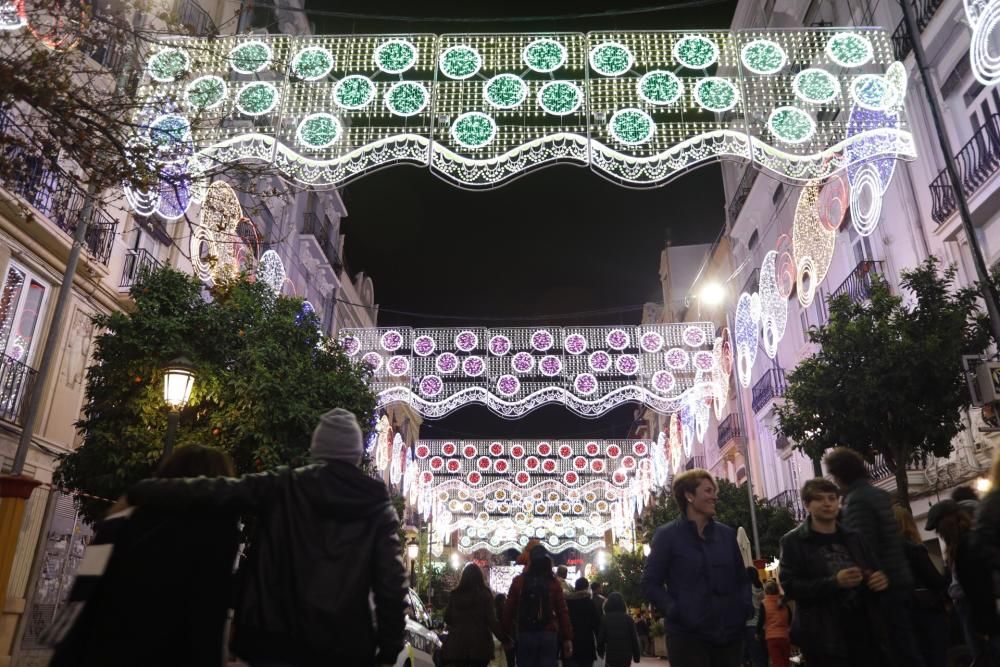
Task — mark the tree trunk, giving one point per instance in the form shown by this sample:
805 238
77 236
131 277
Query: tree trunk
902 480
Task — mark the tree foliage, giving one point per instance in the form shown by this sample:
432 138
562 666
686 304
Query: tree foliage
622 575
264 375
887 379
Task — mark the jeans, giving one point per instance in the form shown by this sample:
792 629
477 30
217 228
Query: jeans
537 648
690 652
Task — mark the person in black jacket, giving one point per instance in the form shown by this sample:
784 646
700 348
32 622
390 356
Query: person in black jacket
617 640
831 575
154 587
326 539
930 619
585 621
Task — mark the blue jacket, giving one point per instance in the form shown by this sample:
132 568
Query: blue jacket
707 594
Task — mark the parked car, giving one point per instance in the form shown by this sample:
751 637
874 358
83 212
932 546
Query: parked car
422 643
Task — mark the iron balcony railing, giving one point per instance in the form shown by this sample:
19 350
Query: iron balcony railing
191 15
924 11
742 192
859 283
138 263
314 226
729 430
16 383
791 501
879 470
770 386
976 162
752 282
695 462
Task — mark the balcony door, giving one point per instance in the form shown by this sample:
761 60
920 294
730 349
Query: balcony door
22 304
861 246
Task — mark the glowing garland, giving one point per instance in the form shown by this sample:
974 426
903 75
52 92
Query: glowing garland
505 91
395 56
318 130
206 92
271 271
168 65
354 92
611 59
250 57
746 326
257 98
460 62
312 63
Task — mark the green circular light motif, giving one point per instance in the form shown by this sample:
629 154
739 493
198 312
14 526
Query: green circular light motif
473 130
544 55
848 49
631 127
716 94
205 92
406 98
312 63
791 125
318 130
560 98
167 131
610 59
660 87
696 52
354 92
257 99
895 76
250 57
168 64
816 86
460 62
395 56
762 56
505 91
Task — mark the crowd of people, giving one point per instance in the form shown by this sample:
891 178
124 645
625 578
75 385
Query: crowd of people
323 581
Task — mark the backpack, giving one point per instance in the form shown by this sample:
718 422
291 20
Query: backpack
534 611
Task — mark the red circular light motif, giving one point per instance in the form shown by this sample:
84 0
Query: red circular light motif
620 477
593 449
449 449
639 448
597 465
483 462
531 463
475 477
468 451
544 449
500 466
571 477
496 449
517 451
565 451
549 465
423 451
628 462
454 466
427 477
437 463
580 463
523 478
614 451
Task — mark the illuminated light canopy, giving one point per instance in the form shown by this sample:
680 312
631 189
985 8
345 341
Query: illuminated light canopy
812 243
560 98
763 56
866 200
984 19
395 56
849 49
544 55
816 86
312 63
168 65
406 98
460 62
774 307
611 59
318 130
257 98
696 52
791 125
872 91
271 271
632 127
213 251
250 57
170 135
206 92
716 94
660 87
505 91
499 345
474 129
747 335
354 92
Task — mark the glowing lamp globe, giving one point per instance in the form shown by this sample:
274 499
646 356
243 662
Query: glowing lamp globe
645 550
713 294
413 550
178 380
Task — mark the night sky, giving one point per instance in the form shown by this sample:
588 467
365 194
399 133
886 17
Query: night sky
555 242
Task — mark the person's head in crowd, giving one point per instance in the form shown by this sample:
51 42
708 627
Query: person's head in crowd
846 466
696 490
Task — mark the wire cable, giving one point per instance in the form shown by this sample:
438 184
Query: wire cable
529 318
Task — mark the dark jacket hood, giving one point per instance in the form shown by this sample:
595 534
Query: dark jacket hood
341 490
578 595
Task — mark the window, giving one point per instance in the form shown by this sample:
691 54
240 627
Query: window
861 246
753 240
21 304
804 321
778 192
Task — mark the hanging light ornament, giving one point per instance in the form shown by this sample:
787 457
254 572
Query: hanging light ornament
812 245
774 308
382 445
720 373
396 460
747 335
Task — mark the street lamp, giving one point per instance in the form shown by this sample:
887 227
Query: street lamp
178 380
646 549
456 562
413 550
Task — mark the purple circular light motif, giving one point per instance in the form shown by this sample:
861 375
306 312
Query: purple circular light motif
423 345
398 366
617 339
627 364
663 381
508 385
651 342
351 345
677 358
473 366
694 337
522 362
575 344
585 384
391 341
550 366
374 360
704 361
446 363
541 340
431 386
599 361
466 341
499 345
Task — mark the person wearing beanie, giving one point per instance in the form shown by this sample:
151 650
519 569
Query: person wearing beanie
326 541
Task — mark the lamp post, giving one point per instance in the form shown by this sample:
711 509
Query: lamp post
178 380
413 550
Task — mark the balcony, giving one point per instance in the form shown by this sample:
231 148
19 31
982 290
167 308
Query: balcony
314 226
878 471
859 283
138 263
194 18
742 192
752 282
16 382
791 501
729 430
695 462
771 386
978 160
924 11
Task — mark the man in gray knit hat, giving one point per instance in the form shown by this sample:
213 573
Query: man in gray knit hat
326 538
